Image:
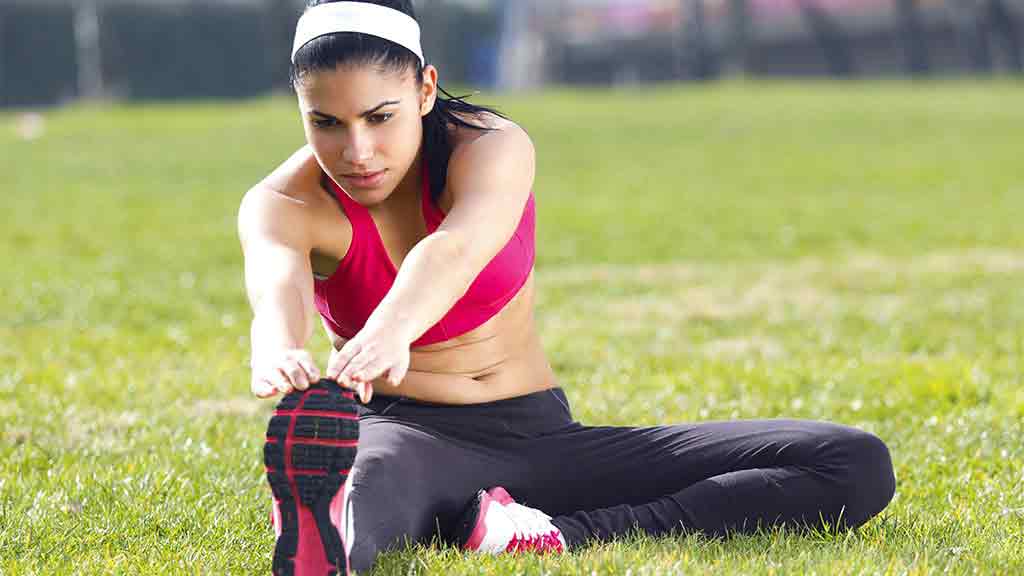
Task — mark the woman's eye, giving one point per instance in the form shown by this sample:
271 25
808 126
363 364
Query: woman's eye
381 118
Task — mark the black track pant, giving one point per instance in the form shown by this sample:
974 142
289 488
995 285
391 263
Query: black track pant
419 464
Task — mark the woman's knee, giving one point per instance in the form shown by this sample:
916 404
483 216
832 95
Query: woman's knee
388 511
867 475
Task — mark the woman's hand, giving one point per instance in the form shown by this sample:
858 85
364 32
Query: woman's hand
369 355
283 372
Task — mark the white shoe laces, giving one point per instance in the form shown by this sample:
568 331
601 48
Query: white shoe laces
533 529
528 521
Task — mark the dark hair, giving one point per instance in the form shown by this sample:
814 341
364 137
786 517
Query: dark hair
328 52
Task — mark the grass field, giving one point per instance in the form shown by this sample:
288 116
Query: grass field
850 252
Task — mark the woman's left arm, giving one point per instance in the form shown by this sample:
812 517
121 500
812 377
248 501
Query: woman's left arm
490 180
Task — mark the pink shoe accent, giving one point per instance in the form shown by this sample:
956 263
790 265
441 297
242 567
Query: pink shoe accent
275 517
501 495
310 557
540 544
476 536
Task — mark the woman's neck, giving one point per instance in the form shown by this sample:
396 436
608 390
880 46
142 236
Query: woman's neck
408 189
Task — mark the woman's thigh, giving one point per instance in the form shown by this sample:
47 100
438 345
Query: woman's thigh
593 467
410 483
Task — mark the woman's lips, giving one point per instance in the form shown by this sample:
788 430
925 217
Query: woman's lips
366 180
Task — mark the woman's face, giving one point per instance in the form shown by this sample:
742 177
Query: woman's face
364 125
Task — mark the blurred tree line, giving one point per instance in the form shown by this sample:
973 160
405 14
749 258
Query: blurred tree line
806 38
54 51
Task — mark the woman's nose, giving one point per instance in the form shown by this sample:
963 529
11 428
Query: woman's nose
358 148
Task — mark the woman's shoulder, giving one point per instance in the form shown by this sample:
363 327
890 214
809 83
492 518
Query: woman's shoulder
296 179
502 142
494 125
289 199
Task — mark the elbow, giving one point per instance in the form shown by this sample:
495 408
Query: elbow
442 247
452 252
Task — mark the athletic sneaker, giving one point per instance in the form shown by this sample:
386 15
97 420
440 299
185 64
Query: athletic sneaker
494 523
311 445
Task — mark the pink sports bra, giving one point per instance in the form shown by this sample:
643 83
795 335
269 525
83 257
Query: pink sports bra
366 273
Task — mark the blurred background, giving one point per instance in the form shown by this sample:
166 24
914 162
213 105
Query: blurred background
708 249
56 51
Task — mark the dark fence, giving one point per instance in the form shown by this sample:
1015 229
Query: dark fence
202 49
910 42
37 55
182 51
196 49
898 37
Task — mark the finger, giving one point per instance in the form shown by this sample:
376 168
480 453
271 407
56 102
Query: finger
312 372
398 372
346 382
362 365
297 375
370 371
282 383
340 359
262 388
359 388
305 361
395 376
368 390
336 375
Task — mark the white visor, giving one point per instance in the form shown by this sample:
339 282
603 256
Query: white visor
372 19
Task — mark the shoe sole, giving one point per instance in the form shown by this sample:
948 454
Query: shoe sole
310 448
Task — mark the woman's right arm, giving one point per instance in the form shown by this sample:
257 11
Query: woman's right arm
273 231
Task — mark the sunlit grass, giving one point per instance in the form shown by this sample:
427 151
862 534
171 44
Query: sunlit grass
844 252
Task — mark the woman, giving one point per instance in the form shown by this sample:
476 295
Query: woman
408 223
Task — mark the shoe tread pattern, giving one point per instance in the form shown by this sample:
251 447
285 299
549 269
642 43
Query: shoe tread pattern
325 427
318 471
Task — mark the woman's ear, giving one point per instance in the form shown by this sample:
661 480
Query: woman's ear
428 92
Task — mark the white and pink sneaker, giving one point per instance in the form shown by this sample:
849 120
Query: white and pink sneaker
495 523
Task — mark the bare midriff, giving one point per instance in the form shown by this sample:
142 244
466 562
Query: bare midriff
499 359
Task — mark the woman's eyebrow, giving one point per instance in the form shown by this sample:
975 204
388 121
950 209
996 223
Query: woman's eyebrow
363 115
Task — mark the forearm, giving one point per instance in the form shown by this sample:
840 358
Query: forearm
431 280
280 322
